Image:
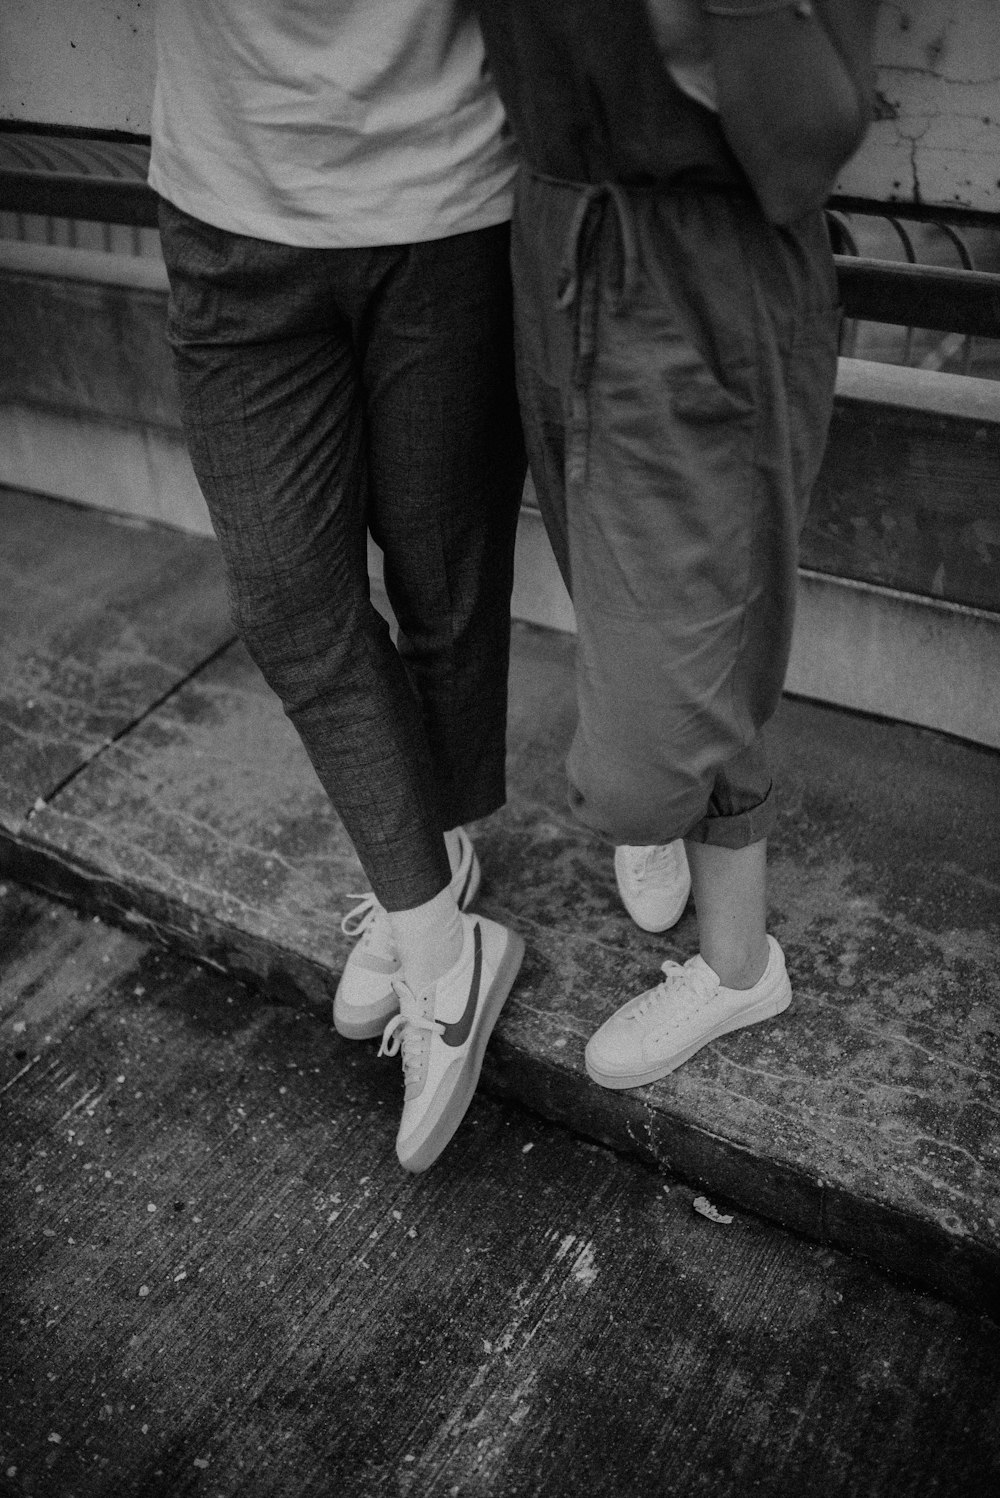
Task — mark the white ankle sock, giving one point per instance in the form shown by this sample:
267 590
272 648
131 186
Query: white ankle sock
428 939
453 848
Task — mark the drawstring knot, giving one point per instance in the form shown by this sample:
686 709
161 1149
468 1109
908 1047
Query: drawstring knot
581 240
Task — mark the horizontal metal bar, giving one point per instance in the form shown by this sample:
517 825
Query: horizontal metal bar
54 262
917 213
106 200
937 298
921 296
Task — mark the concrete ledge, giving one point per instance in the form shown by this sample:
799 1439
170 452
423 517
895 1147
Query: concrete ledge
99 267
906 496
126 467
878 650
940 1256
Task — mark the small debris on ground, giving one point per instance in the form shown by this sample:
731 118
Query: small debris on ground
704 1207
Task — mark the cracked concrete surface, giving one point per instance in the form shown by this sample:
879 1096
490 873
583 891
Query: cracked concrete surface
97 625
937 137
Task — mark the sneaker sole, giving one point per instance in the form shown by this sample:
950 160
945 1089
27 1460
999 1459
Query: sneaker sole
440 1124
766 1008
374 1021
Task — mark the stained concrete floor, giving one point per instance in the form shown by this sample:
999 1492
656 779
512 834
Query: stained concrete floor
147 773
218 1281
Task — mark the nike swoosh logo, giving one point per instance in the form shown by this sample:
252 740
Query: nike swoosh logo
458 1032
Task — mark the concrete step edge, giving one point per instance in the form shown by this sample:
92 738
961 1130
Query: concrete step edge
952 1266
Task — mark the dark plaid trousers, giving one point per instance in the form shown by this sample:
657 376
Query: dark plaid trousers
326 393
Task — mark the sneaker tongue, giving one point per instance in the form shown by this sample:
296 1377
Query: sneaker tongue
414 1006
699 968
377 937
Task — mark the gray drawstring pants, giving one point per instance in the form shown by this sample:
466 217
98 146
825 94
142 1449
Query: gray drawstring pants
676 358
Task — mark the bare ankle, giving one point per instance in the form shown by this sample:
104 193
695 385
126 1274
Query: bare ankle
741 969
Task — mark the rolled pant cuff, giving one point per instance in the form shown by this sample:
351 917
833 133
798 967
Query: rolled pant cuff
740 830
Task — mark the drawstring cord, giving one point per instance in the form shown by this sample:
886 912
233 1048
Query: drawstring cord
579 242
579 296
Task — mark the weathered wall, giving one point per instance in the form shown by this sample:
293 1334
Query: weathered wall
938 140
83 63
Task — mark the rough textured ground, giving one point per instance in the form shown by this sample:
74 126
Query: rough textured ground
866 1117
99 621
218 1281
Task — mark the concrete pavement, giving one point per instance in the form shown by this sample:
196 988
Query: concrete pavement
218 1281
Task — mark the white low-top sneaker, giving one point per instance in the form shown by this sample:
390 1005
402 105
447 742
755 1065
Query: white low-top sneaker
443 1034
365 1000
654 883
657 1032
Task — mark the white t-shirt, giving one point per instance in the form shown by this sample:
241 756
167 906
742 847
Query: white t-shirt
328 123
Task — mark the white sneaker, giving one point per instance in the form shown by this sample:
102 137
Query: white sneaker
365 1000
655 1033
443 1035
654 883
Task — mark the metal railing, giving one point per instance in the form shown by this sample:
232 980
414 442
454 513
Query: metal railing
908 275
919 285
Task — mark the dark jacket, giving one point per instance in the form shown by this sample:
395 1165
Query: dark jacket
590 100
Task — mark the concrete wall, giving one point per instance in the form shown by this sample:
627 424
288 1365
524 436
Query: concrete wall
938 138
89 63
82 63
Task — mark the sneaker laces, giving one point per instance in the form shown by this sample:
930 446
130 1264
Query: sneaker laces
675 974
409 1030
368 919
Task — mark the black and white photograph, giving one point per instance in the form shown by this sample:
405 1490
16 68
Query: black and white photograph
499 748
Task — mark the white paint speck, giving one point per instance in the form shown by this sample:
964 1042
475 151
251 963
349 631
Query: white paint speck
704 1207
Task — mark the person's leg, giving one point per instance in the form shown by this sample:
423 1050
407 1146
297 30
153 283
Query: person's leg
791 286
653 881
446 470
730 897
274 418
271 390
543 346
687 482
446 474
